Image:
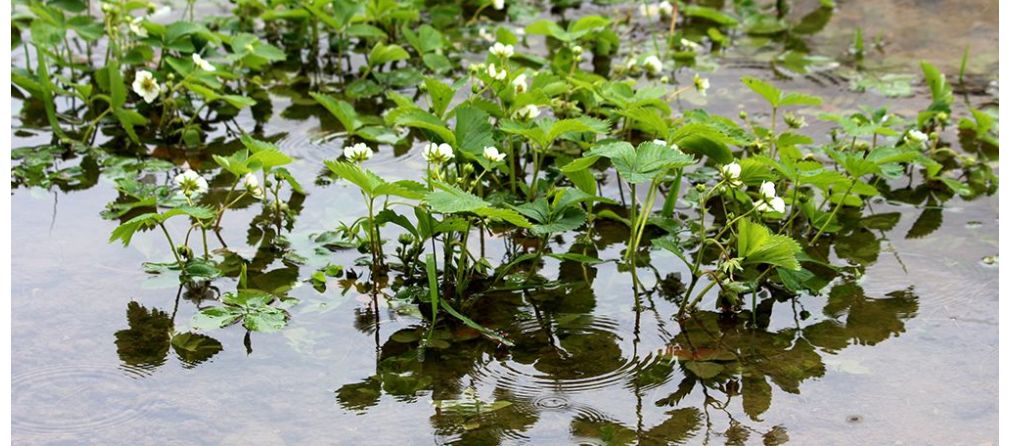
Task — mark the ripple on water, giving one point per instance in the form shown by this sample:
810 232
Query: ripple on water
581 354
75 398
306 142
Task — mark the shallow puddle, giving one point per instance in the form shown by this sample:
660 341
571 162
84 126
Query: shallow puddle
905 354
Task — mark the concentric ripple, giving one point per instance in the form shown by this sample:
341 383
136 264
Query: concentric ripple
310 144
75 399
572 354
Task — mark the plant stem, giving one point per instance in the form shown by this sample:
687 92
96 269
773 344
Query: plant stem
172 245
694 302
833 213
206 252
671 197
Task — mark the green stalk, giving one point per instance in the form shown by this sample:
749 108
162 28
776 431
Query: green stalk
206 252
834 212
671 198
634 220
461 263
701 294
536 174
172 245
643 219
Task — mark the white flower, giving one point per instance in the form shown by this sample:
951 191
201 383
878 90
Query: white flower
202 64
528 112
690 44
769 201
665 8
519 83
915 137
161 12
767 190
358 152
496 73
145 85
653 65
772 205
498 4
483 34
502 51
191 183
492 154
136 28
437 153
650 11
252 185
701 84
731 173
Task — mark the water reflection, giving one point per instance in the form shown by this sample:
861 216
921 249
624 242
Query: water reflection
729 362
144 346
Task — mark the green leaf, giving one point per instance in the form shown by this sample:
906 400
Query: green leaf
768 91
943 94
382 54
711 14
506 215
355 174
757 245
648 163
195 348
215 317
470 323
341 110
423 120
799 99
473 130
440 94
265 319
452 200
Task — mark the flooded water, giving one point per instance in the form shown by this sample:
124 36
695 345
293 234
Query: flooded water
905 354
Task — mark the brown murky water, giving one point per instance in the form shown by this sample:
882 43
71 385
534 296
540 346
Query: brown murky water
907 354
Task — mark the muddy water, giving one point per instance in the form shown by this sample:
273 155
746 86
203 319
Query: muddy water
906 354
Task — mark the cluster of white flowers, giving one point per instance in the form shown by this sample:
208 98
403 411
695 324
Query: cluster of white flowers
492 154
495 73
655 10
191 183
519 83
498 4
770 202
252 185
652 65
701 84
731 174
916 138
529 111
437 153
145 85
502 51
358 152
202 64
